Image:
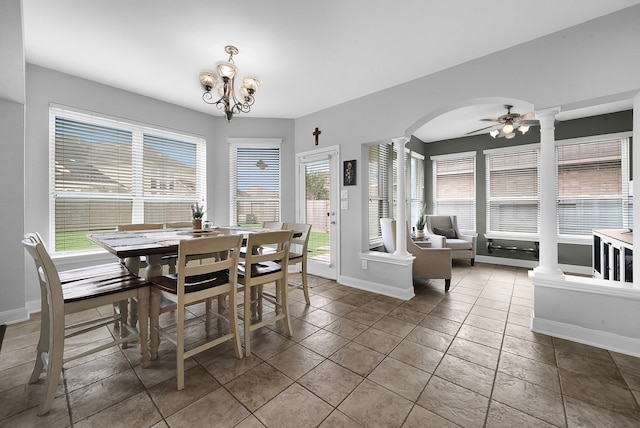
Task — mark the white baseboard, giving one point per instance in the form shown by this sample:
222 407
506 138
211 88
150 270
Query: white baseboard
14 316
597 338
375 287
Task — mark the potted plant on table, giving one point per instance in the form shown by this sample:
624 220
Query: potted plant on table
420 227
197 212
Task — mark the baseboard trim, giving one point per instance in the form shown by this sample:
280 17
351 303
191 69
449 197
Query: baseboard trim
600 339
374 287
14 316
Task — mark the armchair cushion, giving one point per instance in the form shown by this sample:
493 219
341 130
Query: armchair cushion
447 233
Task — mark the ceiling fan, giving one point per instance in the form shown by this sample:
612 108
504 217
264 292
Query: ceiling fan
506 124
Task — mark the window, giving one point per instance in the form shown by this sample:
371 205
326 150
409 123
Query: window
592 191
513 190
454 187
416 181
383 183
379 207
106 172
254 181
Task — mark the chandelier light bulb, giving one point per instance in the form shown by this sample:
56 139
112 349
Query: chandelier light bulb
523 128
510 135
226 69
494 133
208 79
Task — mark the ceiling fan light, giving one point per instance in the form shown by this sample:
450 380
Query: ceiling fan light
508 128
226 69
494 133
523 128
509 135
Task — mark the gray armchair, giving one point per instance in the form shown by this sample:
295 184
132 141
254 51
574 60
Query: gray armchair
432 263
443 232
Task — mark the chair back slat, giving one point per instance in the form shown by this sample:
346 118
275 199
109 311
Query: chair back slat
139 226
207 255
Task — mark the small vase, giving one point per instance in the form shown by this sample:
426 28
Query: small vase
197 223
420 234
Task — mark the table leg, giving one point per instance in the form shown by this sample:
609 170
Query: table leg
154 268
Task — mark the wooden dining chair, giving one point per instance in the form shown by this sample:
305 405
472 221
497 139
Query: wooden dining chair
258 269
199 278
298 253
178 225
73 291
276 225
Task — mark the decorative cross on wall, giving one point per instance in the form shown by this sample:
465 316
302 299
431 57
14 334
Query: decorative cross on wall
316 133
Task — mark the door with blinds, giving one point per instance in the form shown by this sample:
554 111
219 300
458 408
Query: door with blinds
318 205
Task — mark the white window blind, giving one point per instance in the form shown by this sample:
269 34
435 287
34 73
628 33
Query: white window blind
513 190
592 188
416 182
454 187
105 172
383 187
379 189
255 182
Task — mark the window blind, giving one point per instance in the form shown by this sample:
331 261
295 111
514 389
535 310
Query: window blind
454 187
513 190
383 187
416 182
105 172
379 207
592 187
255 183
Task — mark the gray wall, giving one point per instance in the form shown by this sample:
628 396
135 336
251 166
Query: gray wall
579 255
46 86
567 69
12 161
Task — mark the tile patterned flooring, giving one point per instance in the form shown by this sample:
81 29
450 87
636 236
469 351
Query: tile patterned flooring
356 359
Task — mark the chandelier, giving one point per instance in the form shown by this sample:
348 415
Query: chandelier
226 90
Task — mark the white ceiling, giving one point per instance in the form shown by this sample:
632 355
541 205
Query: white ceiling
310 55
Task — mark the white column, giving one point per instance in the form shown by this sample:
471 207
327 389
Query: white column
548 209
401 227
636 189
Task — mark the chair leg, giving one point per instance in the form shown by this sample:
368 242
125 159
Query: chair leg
305 285
447 284
207 318
233 322
247 321
180 348
473 261
54 368
284 303
123 310
154 317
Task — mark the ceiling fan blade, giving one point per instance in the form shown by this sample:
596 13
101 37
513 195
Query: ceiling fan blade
492 120
478 130
527 115
532 122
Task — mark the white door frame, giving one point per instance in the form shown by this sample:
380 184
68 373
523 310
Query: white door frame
333 153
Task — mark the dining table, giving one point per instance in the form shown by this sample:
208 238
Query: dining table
154 244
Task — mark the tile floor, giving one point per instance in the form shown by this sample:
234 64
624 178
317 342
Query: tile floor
466 358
